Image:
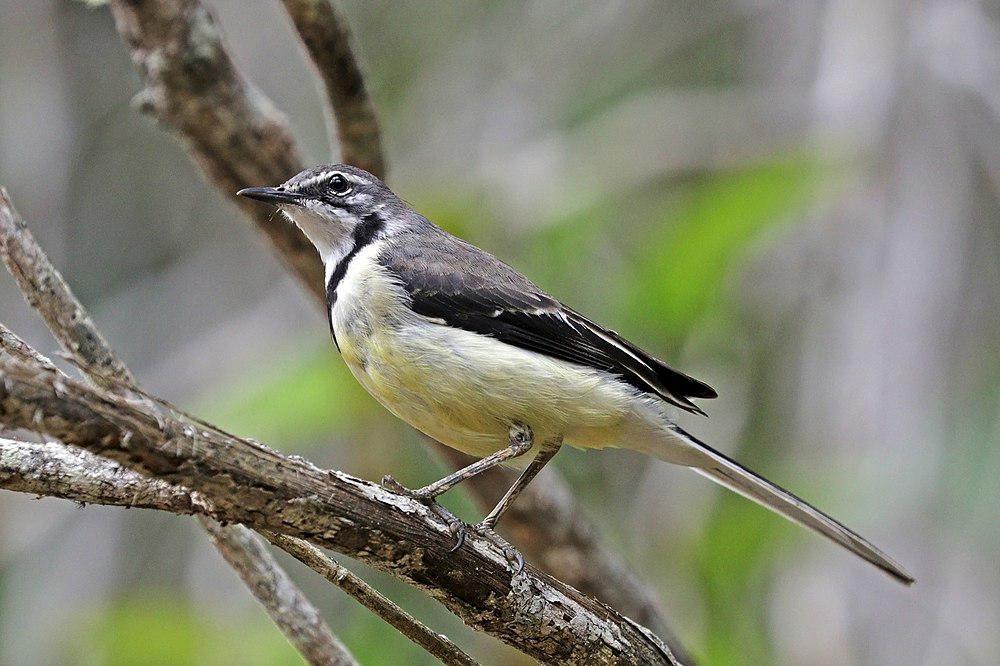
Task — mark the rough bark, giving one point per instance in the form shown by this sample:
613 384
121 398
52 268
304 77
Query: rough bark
250 483
47 292
52 469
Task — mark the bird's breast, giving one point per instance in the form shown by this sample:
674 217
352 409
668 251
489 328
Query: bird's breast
366 301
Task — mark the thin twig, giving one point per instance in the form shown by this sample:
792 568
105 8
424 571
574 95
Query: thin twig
233 133
437 644
46 291
246 553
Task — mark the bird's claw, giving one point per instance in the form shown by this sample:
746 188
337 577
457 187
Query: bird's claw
512 555
455 524
457 530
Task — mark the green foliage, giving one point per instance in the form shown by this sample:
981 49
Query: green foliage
684 265
298 398
148 632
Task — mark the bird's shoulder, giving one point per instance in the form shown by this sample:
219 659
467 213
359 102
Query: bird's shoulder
436 262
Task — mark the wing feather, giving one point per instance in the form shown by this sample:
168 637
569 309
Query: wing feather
455 282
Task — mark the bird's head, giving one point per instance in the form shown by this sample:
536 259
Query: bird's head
331 204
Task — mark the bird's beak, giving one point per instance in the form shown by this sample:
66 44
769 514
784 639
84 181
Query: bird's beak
270 194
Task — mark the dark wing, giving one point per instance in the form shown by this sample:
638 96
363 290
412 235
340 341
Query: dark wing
456 282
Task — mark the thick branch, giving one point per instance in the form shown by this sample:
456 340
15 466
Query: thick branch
45 290
327 39
249 483
256 149
55 470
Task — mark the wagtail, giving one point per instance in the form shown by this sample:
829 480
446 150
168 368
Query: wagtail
470 352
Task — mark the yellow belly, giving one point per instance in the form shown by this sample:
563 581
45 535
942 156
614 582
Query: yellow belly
466 390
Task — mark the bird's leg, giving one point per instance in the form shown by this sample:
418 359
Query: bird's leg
485 527
520 443
520 438
544 456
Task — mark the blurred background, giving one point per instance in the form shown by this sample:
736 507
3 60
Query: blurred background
797 201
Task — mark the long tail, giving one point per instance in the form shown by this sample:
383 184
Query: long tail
734 476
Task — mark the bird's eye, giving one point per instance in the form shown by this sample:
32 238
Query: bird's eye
339 185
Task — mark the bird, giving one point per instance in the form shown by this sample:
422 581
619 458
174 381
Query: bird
470 352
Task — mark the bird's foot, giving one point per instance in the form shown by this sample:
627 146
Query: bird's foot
455 524
513 555
392 485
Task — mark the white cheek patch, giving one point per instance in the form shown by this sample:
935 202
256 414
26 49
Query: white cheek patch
329 230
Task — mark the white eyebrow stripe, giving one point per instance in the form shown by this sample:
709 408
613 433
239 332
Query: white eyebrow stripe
316 180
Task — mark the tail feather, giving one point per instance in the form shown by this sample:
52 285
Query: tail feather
729 473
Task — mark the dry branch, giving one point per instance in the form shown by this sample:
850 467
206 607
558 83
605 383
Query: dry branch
239 140
52 469
247 482
436 644
295 616
46 291
55 470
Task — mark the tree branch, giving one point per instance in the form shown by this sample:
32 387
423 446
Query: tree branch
46 291
249 483
256 148
436 644
351 115
297 618
231 129
54 470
